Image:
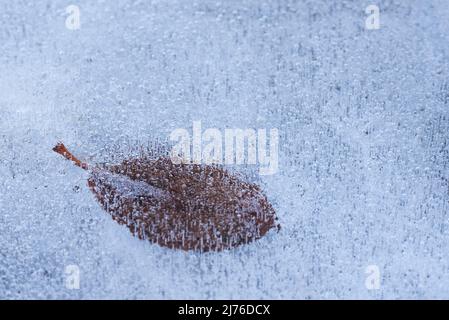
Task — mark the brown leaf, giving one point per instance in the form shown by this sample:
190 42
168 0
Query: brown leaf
180 206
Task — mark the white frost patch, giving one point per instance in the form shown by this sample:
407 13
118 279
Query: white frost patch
128 187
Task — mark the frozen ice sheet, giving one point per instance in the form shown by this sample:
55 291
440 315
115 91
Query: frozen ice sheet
363 117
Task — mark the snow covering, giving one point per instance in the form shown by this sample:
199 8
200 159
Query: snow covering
363 118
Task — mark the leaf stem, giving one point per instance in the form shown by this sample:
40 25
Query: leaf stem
62 150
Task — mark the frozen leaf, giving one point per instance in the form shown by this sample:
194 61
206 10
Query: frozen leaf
180 206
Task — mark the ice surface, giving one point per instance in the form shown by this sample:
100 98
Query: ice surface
364 149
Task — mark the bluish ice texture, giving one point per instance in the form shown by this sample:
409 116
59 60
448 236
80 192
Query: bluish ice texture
363 117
